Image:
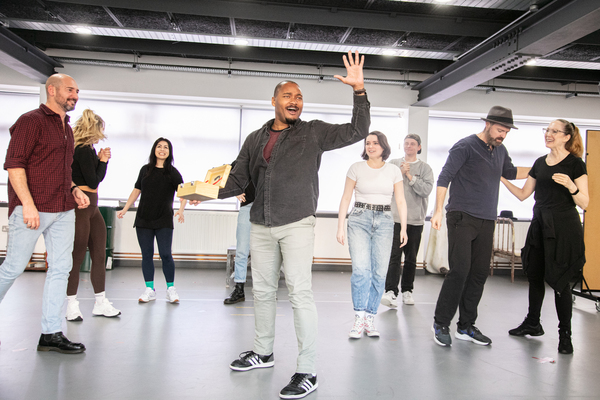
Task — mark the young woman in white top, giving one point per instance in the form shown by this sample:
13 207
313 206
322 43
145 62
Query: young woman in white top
371 227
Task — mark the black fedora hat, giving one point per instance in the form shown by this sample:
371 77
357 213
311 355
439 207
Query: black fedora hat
500 115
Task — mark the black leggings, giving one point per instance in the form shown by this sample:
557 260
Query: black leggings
90 231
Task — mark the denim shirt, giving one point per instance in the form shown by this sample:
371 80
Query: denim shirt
287 188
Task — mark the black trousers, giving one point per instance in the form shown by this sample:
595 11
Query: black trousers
410 251
470 242
537 290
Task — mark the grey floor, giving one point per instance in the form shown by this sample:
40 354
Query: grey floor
164 351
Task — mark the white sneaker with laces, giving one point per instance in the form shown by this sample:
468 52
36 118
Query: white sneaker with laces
407 298
357 330
148 295
370 326
105 309
172 296
389 299
73 313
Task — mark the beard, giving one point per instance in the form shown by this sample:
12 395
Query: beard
291 121
489 140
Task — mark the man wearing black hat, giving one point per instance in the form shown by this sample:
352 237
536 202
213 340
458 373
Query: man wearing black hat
474 166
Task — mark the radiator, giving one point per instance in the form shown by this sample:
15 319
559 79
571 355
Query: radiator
205 232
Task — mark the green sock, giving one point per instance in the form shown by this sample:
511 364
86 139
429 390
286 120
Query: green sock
169 284
150 284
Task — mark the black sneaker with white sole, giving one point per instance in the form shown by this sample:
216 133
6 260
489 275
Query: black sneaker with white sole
300 385
250 360
472 334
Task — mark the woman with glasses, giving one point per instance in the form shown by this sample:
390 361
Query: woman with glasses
554 250
371 228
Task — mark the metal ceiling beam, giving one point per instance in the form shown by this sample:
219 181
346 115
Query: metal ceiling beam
554 26
24 58
311 15
213 51
559 75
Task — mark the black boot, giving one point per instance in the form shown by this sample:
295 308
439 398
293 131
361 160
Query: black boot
237 295
564 342
59 342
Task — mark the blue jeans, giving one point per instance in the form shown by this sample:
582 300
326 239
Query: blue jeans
370 235
59 231
164 239
242 245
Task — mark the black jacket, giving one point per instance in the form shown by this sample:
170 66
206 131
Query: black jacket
287 188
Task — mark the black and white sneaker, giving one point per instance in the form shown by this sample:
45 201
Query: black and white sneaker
250 360
300 386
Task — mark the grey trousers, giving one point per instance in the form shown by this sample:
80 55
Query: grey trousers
292 244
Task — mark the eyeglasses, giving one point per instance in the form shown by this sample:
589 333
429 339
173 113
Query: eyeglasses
552 132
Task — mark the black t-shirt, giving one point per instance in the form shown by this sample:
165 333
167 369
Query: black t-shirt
155 209
552 195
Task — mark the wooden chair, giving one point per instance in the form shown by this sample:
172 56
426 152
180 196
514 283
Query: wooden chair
504 246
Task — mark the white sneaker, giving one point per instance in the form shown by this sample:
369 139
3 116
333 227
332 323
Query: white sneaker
370 326
73 313
357 330
389 299
407 298
148 295
172 296
105 309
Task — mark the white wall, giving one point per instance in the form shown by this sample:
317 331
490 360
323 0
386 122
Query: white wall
316 94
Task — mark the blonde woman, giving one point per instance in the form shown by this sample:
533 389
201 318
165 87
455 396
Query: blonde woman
89 170
554 250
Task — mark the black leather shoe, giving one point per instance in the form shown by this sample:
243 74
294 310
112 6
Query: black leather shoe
237 295
59 342
526 329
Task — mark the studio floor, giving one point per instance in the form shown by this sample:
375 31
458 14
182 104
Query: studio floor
182 351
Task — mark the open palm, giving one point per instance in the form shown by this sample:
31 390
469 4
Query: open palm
354 71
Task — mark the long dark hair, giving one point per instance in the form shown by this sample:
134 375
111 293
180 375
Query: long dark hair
168 166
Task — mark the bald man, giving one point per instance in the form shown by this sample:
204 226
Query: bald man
42 198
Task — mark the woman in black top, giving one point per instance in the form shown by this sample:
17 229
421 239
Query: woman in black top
554 249
89 170
157 183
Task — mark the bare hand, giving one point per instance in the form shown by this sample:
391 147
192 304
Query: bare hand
81 198
179 215
31 217
120 214
354 71
564 180
405 168
341 237
194 202
403 238
104 154
241 197
436 220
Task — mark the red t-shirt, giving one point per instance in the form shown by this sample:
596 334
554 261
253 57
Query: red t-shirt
273 136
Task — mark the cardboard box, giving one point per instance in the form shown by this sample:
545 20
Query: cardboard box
207 190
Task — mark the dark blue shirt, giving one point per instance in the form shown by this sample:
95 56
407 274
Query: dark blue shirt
475 172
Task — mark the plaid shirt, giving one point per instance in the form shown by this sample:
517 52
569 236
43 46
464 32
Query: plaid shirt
40 145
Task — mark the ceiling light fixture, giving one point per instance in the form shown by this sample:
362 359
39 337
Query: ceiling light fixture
389 52
84 30
531 61
241 42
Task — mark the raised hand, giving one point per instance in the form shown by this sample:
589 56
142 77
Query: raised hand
354 71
